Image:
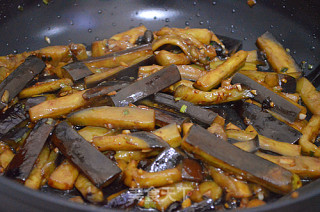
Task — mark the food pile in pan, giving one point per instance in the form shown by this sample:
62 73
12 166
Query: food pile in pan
177 119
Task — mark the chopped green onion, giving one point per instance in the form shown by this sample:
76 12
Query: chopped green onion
177 99
310 66
45 1
149 203
283 70
125 112
183 109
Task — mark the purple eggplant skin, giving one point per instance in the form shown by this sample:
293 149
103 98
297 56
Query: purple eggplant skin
77 70
147 86
164 117
151 139
205 205
287 83
226 156
12 117
167 159
198 114
96 166
22 163
126 199
282 106
267 125
19 78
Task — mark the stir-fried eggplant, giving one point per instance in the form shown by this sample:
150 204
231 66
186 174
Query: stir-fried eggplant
267 125
22 164
122 108
12 117
76 71
147 86
197 113
167 159
97 167
277 103
18 79
212 149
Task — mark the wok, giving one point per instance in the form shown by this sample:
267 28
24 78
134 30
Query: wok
24 24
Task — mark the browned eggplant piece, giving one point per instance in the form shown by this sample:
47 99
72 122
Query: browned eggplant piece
167 159
196 113
18 79
192 170
147 86
76 71
280 105
248 146
131 71
213 150
22 163
12 117
205 205
267 125
96 166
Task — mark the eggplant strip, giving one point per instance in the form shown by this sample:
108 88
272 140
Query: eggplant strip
130 35
18 79
233 187
12 118
197 113
98 168
88 190
34 179
187 72
309 95
57 107
49 166
45 87
273 128
137 178
64 176
207 189
128 56
304 166
22 164
217 96
279 59
211 149
76 71
214 77
6 156
288 109
309 134
89 133
128 142
166 58
127 156
115 117
119 72
147 86
266 143
170 134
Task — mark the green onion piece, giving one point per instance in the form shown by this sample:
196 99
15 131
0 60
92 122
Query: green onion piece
283 70
183 109
149 203
125 112
310 66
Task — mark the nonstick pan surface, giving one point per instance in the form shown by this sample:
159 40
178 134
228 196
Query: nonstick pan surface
24 25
